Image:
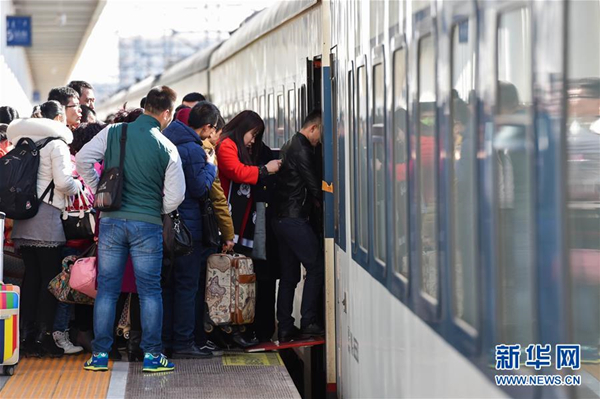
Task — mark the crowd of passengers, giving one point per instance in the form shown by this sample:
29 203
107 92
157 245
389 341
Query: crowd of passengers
177 156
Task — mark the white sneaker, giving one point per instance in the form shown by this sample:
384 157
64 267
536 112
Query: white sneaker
61 338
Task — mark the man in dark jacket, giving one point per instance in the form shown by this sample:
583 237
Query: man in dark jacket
181 288
298 189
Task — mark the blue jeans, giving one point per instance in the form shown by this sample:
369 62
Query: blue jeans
298 244
179 300
143 241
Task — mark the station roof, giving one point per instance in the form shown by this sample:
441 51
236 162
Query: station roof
60 30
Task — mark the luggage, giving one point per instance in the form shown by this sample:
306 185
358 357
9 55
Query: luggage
230 289
18 179
9 315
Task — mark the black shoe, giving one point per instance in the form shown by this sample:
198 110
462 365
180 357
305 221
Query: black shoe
313 330
45 345
84 339
192 352
134 352
288 335
243 342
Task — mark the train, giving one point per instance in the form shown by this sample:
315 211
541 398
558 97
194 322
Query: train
461 182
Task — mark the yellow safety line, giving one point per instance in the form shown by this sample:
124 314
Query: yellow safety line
56 378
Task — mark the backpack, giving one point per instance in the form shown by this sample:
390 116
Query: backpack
18 179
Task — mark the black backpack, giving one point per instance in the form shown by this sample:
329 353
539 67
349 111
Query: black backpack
18 179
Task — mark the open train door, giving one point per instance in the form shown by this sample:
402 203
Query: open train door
319 97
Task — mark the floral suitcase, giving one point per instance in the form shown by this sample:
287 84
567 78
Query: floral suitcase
9 315
230 289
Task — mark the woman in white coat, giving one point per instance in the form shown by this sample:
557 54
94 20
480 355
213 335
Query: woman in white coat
40 239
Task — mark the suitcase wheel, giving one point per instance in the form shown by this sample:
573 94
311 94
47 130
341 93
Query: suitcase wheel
9 370
227 329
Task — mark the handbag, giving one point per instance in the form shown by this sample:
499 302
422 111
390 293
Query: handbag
110 187
124 324
59 285
177 239
210 226
84 272
79 218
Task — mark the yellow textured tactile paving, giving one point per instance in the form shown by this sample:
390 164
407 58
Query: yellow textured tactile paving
252 359
56 378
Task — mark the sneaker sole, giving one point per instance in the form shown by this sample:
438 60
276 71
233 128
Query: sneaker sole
159 369
95 368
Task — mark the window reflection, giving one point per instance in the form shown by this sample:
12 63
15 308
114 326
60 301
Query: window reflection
583 177
379 162
514 180
363 192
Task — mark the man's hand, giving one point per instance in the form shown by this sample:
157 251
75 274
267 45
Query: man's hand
228 246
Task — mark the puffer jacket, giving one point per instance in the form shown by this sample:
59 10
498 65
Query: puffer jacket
55 158
199 174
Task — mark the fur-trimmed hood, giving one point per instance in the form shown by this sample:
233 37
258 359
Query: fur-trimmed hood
38 129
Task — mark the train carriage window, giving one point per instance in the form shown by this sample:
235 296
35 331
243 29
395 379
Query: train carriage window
426 167
280 132
514 201
362 158
302 104
400 133
291 114
583 178
464 178
378 142
271 121
352 157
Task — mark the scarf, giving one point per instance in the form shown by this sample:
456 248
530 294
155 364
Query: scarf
243 213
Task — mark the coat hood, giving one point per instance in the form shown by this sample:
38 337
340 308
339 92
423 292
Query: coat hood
38 129
179 133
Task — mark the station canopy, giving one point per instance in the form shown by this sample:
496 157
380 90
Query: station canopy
60 30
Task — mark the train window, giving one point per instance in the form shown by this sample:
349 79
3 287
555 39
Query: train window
363 190
426 169
514 201
291 113
464 177
303 103
352 157
280 132
400 133
583 177
378 141
271 121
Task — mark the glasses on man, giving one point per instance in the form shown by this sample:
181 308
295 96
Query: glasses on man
73 106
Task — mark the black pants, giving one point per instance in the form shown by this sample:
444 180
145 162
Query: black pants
298 244
264 318
37 303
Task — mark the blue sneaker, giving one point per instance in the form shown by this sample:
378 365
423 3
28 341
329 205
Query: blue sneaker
154 364
98 362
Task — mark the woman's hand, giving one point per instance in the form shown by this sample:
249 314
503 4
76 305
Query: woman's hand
273 166
228 246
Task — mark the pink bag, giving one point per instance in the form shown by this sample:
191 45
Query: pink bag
84 273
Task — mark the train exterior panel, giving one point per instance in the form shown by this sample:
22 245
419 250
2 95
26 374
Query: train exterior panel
462 165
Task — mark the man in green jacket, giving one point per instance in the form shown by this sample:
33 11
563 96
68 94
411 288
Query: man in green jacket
153 184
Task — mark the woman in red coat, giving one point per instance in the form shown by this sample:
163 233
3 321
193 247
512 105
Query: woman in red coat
245 166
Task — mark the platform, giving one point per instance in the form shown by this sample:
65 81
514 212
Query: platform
235 375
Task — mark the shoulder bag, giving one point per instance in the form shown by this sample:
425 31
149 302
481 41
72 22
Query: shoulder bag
210 226
110 188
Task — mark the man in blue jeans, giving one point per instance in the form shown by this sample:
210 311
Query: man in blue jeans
298 189
153 184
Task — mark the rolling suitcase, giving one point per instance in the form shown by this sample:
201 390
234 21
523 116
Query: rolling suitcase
230 289
9 315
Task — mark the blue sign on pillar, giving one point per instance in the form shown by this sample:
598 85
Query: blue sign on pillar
18 31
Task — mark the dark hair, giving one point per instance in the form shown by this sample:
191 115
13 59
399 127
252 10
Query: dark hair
77 85
62 95
244 122
127 115
160 99
8 114
36 112
51 109
203 113
143 102
86 112
313 118
3 129
191 97
220 123
83 134
179 108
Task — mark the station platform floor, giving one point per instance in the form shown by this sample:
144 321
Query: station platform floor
235 375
